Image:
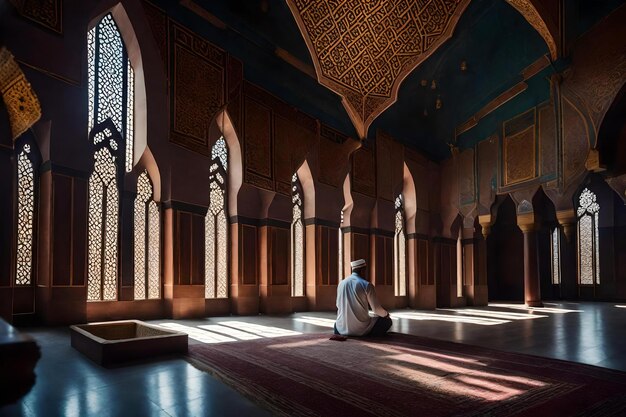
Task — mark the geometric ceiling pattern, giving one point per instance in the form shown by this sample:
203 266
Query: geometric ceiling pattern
363 50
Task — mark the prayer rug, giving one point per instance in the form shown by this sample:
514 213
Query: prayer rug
404 375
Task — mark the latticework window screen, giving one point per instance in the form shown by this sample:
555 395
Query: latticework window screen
25 217
110 82
216 225
555 244
147 241
297 238
399 250
588 239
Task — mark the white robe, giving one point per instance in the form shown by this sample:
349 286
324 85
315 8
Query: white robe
353 295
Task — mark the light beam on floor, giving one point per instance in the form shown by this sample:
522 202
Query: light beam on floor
493 314
554 310
449 318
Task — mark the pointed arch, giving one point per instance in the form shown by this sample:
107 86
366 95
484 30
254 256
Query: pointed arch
297 237
399 246
138 120
235 161
344 241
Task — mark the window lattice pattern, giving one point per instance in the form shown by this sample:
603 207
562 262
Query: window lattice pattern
297 239
588 239
216 225
110 82
130 113
400 250
556 255
25 216
103 228
147 235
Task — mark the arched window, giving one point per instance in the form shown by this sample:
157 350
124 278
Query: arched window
555 244
147 246
297 239
110 127
399 270
588 239
25 216
216 225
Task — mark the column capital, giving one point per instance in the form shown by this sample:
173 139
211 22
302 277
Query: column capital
526 222
486 221
567 219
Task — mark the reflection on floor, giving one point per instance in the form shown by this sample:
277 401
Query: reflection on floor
70 385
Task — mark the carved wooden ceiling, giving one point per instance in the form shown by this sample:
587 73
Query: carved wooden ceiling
363 50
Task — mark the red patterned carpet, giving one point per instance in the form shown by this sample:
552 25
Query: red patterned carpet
403 375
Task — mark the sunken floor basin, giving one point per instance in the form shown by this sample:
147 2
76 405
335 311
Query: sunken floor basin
113 343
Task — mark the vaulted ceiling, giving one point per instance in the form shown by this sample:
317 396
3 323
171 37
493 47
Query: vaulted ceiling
391 64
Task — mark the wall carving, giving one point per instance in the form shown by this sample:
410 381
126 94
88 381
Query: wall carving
548 142
334 154
519 149
258 144
364 171
197 88
467 181
532 16
487 162
363 50
19 98
575 142
48 13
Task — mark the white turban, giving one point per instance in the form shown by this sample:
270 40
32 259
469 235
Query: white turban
359 263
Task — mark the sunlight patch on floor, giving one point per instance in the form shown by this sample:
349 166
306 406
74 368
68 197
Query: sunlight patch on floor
553 310
505 315
484 321
316 321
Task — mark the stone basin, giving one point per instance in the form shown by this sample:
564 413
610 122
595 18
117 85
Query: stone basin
115 342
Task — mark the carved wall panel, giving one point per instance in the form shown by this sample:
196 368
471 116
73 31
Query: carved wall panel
363 50
364 171
189 253
327 250
292 143
360 246
197 88
422 262
334 156
548 142
69 234
487 162
467 180
519 147
385 166
384 260
280 250
258 144
48 13
575 142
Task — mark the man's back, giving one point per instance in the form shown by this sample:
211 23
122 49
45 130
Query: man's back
353 296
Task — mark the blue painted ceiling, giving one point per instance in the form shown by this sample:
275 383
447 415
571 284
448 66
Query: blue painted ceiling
491 37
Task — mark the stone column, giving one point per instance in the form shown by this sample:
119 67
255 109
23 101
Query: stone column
569 271
532 293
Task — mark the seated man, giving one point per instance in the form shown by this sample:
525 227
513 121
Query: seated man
353 295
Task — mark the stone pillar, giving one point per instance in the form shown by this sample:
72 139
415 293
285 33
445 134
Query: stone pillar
569 270
475 287
168 261
532 293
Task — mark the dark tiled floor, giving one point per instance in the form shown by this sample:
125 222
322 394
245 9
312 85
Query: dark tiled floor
70 385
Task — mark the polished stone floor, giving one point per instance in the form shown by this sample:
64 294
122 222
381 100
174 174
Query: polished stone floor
70 385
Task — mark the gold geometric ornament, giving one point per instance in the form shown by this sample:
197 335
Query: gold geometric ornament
19 98
363 50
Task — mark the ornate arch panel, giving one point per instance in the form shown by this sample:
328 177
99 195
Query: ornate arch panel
363 50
